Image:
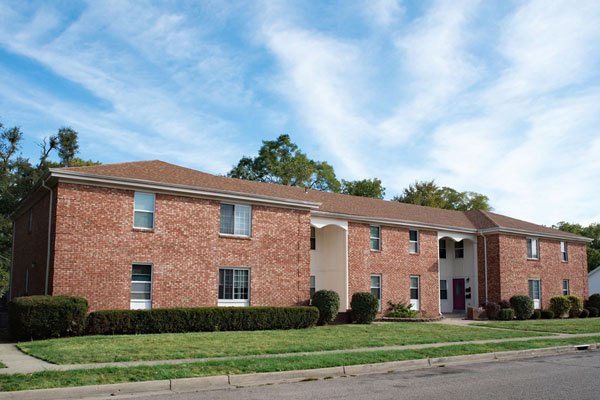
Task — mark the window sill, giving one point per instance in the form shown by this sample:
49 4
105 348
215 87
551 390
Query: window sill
414 254
145 230
374 251
239 237
533 259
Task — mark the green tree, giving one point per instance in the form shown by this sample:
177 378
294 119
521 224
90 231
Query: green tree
591 231
365 188
427 193
280 161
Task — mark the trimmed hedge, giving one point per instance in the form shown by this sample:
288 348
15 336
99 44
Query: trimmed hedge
584 313
505 304
547 314
576 306
537 314
593 312
560 305
523 306
199 319
593 301
506 314
364 307
328 303
491 310
43 317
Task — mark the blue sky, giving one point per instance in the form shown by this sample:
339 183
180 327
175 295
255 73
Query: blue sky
502 98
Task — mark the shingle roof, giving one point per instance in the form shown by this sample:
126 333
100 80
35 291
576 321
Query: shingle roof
161 172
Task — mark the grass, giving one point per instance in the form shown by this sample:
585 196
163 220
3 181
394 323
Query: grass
2 365
92 349
51 379
576 325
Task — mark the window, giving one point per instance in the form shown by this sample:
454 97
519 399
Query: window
442 248
313 285
414 241
143 214
533 249
534 292
313 238
566 287
444 289
563 252
375 238
235 219
30 227
234 287
376 288
141 286
459 249
414 292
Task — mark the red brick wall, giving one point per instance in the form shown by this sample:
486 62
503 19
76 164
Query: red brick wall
395 264
30 251
509 269
493 268
96 245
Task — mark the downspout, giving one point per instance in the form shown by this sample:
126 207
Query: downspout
49 235
485 266
12 264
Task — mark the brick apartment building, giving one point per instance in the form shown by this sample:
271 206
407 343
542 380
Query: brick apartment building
151 234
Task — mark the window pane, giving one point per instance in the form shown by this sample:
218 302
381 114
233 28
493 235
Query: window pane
140 287
375 232
414 248
242 220
312 281
226 220
414 294
376 292
140 296
374 244
375 281
144 201
414 282
143 219
443 285
414 236
143 271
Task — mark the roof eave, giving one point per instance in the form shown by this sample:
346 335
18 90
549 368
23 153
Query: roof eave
536 234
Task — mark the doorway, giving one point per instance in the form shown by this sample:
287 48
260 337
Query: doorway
458 294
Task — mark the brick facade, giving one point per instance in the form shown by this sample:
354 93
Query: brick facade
395 264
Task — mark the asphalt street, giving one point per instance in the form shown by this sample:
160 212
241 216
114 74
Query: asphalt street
573 376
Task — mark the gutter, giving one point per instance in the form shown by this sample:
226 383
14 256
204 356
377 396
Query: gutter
49 235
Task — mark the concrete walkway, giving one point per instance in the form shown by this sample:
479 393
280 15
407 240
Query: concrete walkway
19 362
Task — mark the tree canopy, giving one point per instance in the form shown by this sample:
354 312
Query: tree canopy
591 231
365 188
428 193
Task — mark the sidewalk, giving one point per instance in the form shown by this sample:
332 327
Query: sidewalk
19 362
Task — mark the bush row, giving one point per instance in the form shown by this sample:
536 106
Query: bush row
560 306
40 317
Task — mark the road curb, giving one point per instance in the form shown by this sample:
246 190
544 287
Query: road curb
264 378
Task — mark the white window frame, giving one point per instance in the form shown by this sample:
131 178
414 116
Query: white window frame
461 249
416 242
529 241
416 303
378 276
235 302
312 285
566 290
313 238
378 238
236 205
145 304
537 303
564 252
153 212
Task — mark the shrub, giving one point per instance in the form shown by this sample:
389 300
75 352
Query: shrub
491 310
42 317
401 310
364 307
505 304
584 313
576 306
560 305
506 314
523 306
537 314
593 312
199 319
328 303
547 314
593 301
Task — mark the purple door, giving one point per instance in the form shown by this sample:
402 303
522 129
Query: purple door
458 296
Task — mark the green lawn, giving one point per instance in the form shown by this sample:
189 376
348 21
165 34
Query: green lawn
90 349
50 379
576 325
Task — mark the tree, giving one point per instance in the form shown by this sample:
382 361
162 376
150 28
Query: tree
427 193
280 161
365 188
593 232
